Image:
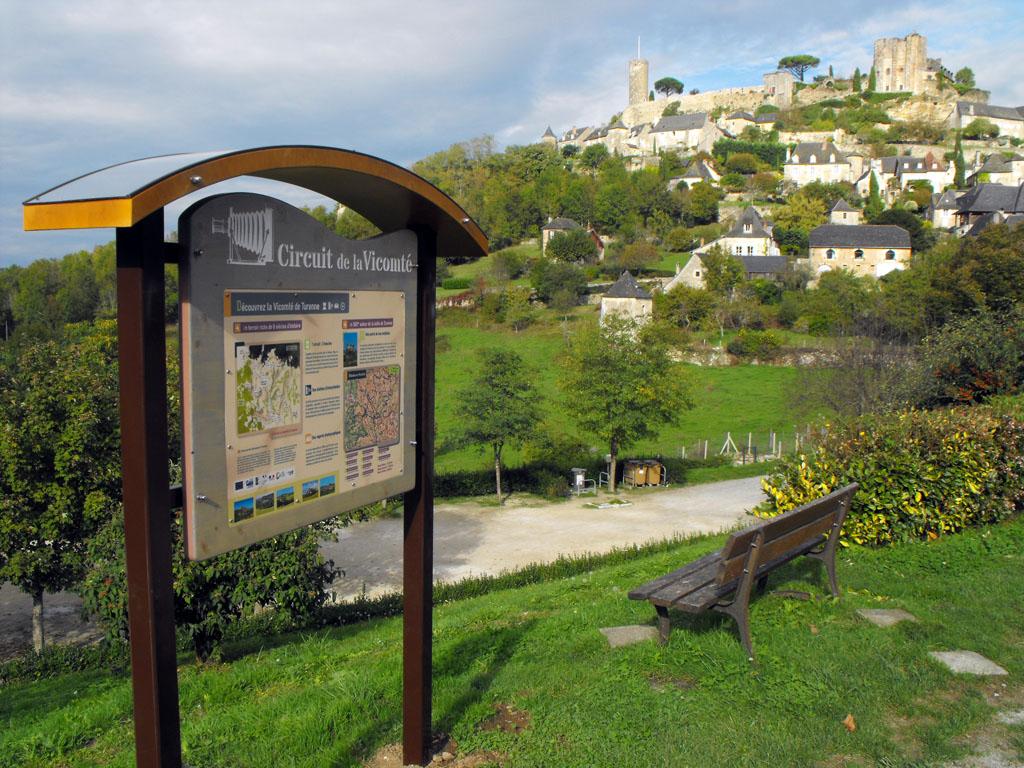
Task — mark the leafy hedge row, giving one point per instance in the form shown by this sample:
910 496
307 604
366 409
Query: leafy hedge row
922 474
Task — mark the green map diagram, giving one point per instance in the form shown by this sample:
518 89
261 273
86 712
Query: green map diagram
373 403
268 387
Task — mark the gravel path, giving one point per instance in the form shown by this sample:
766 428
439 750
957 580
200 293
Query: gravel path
469 540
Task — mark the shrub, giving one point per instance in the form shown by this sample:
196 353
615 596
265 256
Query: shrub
456 283
679 239
922 474
734 182
761 345
575 245
286 573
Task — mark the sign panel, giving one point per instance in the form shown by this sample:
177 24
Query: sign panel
298 370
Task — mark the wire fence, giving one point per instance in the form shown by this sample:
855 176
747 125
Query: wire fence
749 447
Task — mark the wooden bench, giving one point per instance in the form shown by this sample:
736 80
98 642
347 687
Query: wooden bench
722 581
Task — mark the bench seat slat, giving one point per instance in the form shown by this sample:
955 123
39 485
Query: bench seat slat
671 592
642 592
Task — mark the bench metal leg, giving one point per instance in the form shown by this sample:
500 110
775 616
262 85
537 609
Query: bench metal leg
664 626
739 611
739 607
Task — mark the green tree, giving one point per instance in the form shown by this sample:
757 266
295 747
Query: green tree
856 80
742 162
668 85
980 128
549 277
959 165
59 461
795 220
874 206
501 405
34 305
593 156
621 385
798 64
519 313
921 238
638 256
964 77
722 271
574 245
671 109
703 204
872 81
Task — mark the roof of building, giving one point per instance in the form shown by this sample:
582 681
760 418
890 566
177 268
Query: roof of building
815 152
766 117
626 287
688 122
597 133
859 236
843 207
763 265
548 132
618 124
561 223
574 133
740 116
996 163
698 169
995 217
992 197
947 201
748 224
977 109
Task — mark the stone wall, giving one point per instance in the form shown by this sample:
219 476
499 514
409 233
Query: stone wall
730 99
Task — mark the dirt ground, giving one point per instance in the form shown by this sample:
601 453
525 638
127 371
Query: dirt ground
469 540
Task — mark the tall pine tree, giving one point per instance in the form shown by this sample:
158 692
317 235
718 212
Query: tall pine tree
959 180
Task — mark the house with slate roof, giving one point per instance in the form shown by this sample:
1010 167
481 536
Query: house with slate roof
864 249
690 132
627 299
941 211
998 169
986 199
748 236
555 227
1009 120
735 123
698 170
816 161
549 137
843 213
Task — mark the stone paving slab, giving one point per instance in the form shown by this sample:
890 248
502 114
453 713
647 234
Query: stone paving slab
968 663
1011 718
885 617
631 634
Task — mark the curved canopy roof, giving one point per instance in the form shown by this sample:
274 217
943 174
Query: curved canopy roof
388 195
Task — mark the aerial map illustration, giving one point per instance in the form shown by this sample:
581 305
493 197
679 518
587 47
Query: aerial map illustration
268 386
372 407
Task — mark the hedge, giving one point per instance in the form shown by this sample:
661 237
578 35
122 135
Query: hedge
922 474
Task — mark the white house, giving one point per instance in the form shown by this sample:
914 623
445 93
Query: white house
748 236
626 298
690 132
1009 120
816 161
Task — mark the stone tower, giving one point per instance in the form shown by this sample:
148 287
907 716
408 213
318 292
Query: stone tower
778 88
901 64
638 78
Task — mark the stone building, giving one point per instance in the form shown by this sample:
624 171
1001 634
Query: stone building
988 202
554 227
843 213
816 161
864 249
1009 120
692 132
637 80
902 66
626 298
942 210
998 169
748 236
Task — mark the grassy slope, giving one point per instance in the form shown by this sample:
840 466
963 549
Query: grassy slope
332 697
739 399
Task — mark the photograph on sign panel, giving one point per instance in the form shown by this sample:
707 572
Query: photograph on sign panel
373 399
268 386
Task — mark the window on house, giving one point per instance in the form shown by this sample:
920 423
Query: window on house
890 255
831 158
739 249
858 254
750 250
696 273
813 159
747 228
830 254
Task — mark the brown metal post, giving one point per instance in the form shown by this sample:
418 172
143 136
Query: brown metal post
147 522
418 555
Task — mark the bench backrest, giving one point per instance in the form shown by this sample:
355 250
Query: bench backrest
785 533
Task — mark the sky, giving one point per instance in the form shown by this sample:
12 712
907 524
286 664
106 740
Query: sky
87 85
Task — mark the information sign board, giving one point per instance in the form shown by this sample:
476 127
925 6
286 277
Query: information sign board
298 370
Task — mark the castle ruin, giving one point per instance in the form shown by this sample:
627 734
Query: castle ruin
902 66
637 79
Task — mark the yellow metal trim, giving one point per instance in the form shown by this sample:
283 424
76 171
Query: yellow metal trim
85 214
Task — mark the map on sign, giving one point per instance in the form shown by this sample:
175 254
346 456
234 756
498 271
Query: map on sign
373 399
268 386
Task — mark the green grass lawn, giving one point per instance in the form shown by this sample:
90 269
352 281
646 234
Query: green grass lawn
737 399
331 697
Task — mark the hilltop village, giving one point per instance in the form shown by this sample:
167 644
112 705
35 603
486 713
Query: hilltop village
906 134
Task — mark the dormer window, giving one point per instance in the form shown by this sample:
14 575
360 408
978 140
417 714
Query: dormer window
831 158
813 159
748 228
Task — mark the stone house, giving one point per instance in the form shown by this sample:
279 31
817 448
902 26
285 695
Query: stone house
998 169
902 65
843 213
736 122
929 168
748 236
816 161
561 225
864 249
694 132
942 210
691 274
627 299
698 170
986 200
1009 120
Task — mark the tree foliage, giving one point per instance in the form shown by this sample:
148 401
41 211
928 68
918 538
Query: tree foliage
501 405
798 64
574 245
668 86
621 385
